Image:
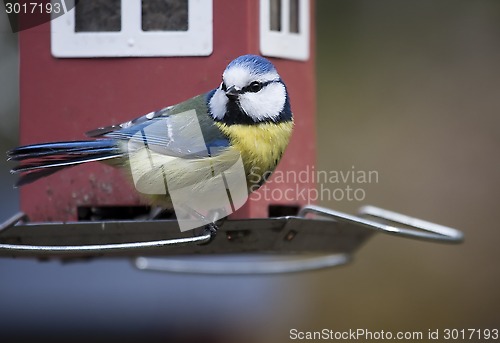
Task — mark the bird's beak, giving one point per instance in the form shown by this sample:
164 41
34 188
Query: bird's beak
233 92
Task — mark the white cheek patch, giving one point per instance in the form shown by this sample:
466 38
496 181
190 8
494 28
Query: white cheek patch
218 104
265 104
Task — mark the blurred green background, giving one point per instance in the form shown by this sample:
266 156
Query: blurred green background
410 89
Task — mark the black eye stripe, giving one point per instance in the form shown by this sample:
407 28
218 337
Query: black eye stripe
249 88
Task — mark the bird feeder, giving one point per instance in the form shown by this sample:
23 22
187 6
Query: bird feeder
107 61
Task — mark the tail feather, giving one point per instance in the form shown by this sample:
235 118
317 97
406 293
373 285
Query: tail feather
61 162
52 149
40 160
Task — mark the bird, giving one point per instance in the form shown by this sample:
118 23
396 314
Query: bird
233 135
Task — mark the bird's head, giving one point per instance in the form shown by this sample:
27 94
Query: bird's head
251 92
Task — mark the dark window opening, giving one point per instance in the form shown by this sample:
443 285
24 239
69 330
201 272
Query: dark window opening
294 16
98 16
165 15
275 15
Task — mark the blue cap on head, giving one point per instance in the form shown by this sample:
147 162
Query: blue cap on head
253 62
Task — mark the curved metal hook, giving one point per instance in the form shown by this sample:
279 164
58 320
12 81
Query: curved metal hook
420 229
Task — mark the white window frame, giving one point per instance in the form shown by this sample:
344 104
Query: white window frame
131 40
284 43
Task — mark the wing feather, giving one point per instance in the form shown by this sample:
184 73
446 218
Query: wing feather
184 130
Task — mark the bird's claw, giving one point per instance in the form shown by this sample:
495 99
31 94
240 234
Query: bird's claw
210 229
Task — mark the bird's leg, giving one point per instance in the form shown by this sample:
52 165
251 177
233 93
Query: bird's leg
158 212
213 227
155 212
213 222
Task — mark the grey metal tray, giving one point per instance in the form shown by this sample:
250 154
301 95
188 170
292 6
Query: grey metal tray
316 238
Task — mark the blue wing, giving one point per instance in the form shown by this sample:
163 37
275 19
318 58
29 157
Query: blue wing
183 130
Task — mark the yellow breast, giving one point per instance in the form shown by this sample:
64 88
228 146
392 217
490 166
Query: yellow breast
261 146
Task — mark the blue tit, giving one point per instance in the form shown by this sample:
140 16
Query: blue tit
247 118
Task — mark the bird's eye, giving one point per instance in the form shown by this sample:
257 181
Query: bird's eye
255 86
223 86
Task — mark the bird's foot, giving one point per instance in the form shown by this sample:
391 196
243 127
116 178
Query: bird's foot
209 229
